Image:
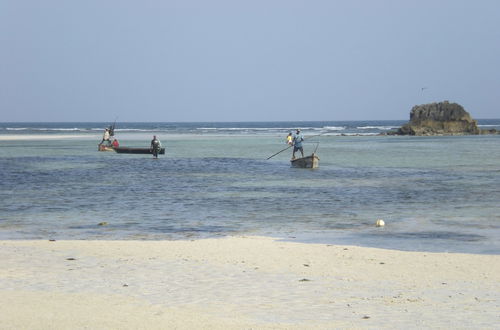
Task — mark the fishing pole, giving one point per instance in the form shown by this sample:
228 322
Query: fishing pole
292 145
112 130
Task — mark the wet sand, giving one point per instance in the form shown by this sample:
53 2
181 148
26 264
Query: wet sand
241 282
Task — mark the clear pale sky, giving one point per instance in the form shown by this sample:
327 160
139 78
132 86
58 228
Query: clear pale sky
255 60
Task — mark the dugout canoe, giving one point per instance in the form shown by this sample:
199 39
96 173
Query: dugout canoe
128 150
311 161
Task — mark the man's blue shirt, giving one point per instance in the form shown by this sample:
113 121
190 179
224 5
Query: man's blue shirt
297 140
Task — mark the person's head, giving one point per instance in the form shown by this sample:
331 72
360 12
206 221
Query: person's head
154 137
298 130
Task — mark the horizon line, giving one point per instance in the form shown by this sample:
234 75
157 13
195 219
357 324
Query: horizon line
228 121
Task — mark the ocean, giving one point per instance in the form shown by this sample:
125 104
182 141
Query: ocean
438 194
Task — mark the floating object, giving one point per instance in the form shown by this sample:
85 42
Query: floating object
104 223
306 162
103 147
380 223
127 150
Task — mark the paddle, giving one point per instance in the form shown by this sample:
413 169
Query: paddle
292 145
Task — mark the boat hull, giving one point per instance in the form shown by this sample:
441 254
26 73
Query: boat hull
128 150
306 162
102 147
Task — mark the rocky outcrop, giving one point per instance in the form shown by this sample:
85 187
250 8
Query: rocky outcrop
441 118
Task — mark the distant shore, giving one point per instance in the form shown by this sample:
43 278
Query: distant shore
241 282
265 129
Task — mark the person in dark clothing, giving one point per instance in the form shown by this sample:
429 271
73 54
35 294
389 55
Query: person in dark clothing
155 146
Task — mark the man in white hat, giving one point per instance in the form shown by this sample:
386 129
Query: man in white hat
105 137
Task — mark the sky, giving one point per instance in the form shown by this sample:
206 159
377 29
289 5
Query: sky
245 60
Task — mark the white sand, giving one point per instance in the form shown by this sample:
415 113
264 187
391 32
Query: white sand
30 137
241 283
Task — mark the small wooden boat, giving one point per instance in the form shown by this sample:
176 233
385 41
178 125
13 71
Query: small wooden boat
128 150
103 147
306 162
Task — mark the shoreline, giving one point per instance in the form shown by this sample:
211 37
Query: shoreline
241 282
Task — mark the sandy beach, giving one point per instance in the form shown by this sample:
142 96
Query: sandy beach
241 283
34 137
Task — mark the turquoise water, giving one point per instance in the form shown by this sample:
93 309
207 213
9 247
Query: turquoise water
434 193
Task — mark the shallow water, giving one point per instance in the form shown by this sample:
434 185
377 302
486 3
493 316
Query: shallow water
434 193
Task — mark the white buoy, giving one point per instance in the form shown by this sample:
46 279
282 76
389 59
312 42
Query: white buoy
380 223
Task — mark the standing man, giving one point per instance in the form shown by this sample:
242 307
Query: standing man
155 146
105 137
111 130
297 143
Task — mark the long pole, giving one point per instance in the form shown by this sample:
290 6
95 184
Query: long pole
112 133
279 152
292 145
